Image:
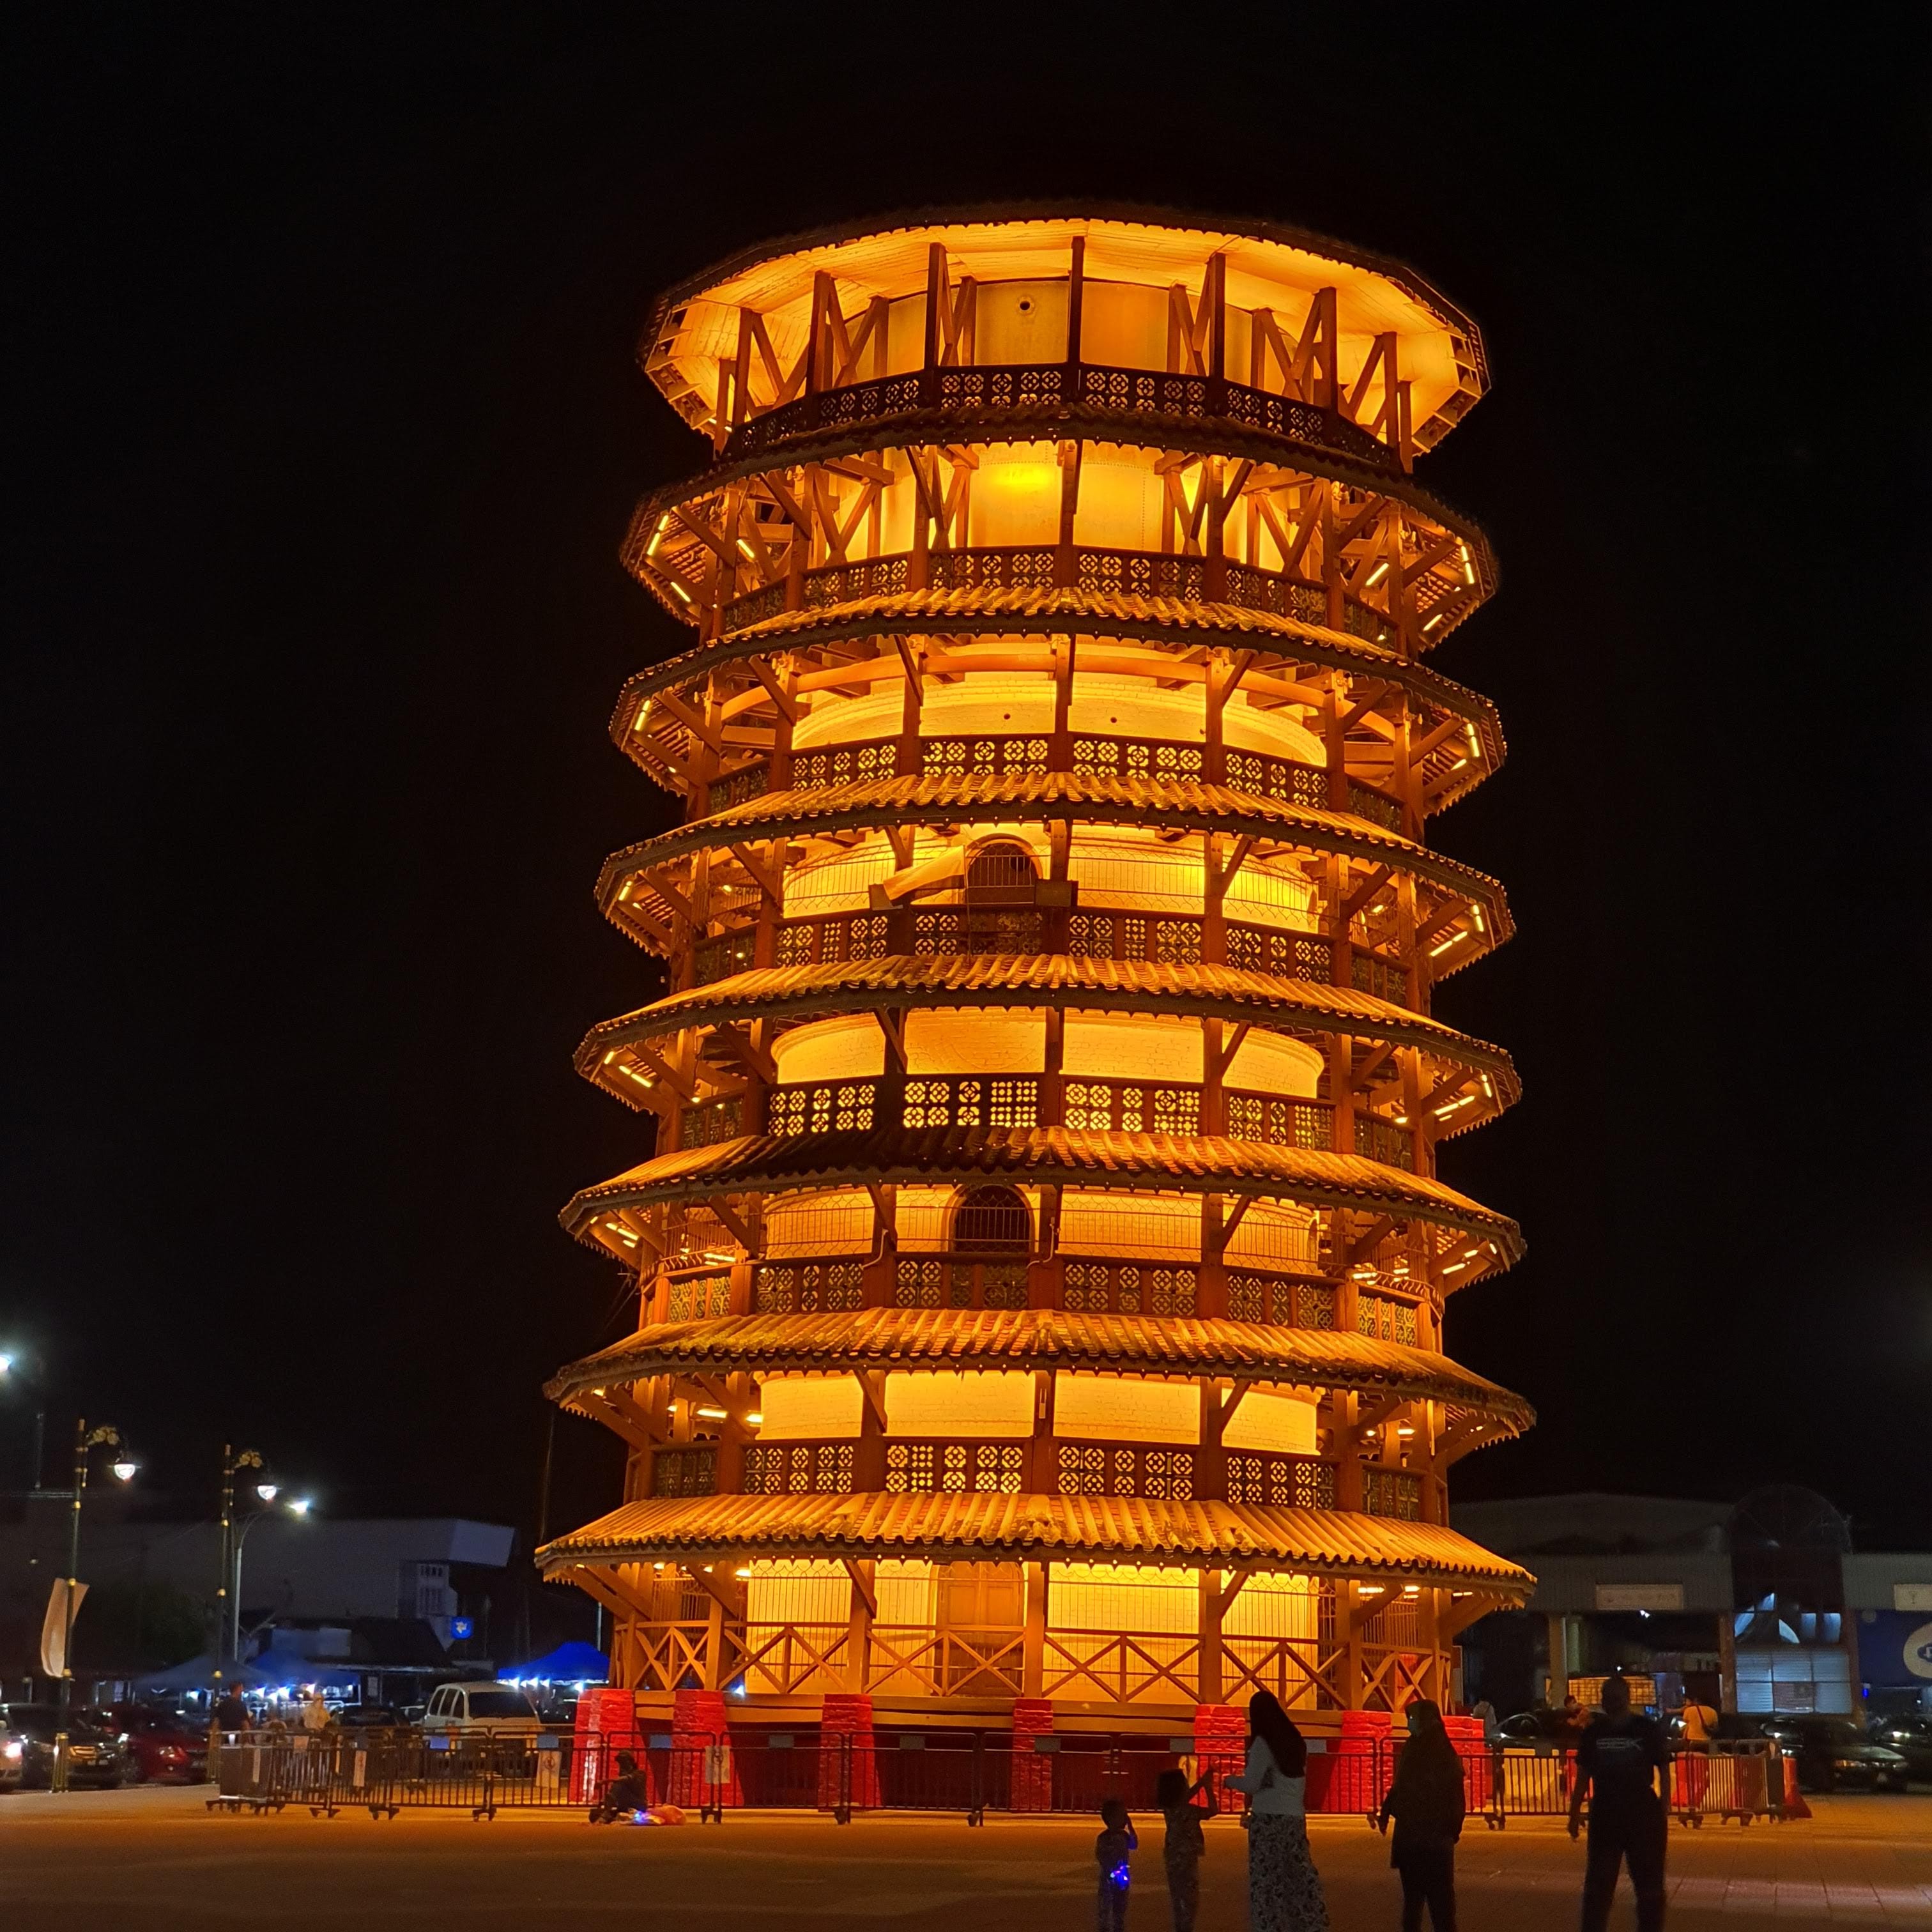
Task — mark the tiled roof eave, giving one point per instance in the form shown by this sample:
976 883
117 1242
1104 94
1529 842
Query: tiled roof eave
942 1527
1048 1339
1043 1156
1122 984
1159 803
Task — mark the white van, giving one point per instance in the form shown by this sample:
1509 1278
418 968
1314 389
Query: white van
481 1710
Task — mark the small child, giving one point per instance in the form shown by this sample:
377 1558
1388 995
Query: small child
1184 1845
1111 1848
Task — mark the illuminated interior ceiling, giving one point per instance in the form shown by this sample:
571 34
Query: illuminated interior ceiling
1038 1187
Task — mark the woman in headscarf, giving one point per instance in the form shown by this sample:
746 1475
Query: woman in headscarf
1284 1889
1426 1802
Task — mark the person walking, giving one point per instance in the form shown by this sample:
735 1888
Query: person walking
1284 1889
1182 1848
1426 1802
1618 1760
1117 1838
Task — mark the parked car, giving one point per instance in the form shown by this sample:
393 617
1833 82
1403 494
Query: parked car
165 1748
1541 1727
480 1710
371 1717
1832 1753
95 1757
1911 1737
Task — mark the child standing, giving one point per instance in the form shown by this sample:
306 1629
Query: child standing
1182 1850
1116 1840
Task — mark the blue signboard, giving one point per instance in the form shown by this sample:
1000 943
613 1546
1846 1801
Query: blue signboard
1895 1649
460 1627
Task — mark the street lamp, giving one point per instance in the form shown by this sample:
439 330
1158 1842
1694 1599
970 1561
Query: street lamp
227 1614
298 1507
85 1441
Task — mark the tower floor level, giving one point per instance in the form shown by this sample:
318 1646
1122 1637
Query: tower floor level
1040 1258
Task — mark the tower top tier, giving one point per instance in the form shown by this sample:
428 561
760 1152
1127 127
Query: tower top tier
1280 309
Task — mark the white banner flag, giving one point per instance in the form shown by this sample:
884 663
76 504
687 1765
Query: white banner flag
59 1620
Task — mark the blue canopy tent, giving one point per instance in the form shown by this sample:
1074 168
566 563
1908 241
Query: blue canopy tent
574 1663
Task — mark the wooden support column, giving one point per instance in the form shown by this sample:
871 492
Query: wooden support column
868 1455
1076 300
864 1609
1352 1610
1042 1476
1207 1684
1341 1091
910 756
1032 1642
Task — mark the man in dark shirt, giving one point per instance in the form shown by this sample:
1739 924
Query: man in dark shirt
1618 1760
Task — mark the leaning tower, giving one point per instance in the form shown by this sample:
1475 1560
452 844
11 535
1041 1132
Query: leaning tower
1039 1257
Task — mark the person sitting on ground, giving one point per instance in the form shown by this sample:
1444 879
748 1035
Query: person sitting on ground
1182 1849
624 1796
1116 1839
1426 1802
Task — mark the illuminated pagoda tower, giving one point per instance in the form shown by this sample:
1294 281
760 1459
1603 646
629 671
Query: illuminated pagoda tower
1041 1265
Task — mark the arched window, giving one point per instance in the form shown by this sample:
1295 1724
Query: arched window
991 1221
1000 872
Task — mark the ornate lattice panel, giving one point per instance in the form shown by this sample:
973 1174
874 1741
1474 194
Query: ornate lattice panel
1393 1493
955 1468
1387 1320
1279 1299
1117 1469
798 1469
684 1471
1280 1482
1129 1288
805 1287
699 1297
827 1107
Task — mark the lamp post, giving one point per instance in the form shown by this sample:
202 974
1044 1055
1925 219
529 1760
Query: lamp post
227 1614
296 1506
125 1468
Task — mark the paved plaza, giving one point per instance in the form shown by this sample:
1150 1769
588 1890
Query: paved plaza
155 1859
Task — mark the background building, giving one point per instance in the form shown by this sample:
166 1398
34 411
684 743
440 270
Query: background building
390 1590
1760 1606
1040 1258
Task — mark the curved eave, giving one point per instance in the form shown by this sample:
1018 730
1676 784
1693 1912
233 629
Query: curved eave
1134 986
1048 1339
1135 214
1126 431
1334 1542
1155 804
1070 612
1042 1157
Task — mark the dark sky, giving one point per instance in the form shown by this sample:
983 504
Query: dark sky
324 427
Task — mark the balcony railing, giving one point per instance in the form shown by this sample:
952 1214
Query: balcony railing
995 754
1280 1482
996 388
1133 573
1090 1287
1166 939
951 1468
834 1286
1091 1103
959 1281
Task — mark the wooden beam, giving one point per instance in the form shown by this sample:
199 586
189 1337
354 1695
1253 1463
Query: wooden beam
862 1585
771 883
738 1230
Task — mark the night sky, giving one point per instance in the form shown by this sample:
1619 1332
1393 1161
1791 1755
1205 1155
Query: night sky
325 425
